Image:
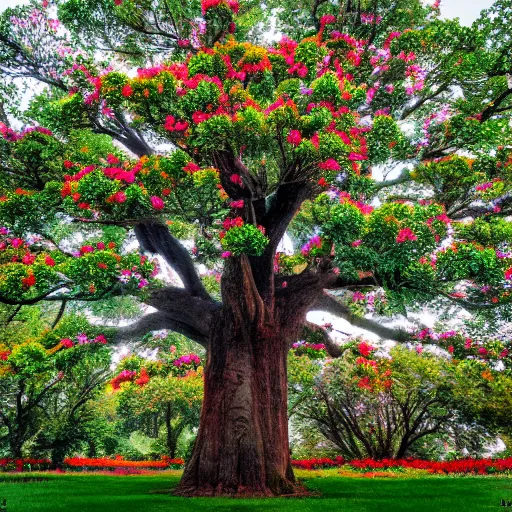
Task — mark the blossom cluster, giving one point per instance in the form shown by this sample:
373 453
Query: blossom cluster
82 339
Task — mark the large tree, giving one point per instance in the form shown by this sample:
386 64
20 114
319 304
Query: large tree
261 141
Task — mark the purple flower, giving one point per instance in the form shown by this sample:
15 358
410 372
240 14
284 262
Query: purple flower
82 338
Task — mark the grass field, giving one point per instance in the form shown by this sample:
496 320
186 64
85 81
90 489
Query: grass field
100 493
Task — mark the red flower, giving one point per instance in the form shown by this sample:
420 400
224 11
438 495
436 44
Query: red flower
49 261
86 248
68 164
508 274
169 123
29 281
102 265
143 379
199 117
364 349
330 165
66 343
191 168
127 91
323 182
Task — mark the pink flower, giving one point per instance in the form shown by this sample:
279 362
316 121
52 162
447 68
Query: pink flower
236 179
406 234
330 165
226 254
327 19
484 186
28 259
119 197
157 203
181 126
86 248
508 274
357 243
358 296
294 137
237 204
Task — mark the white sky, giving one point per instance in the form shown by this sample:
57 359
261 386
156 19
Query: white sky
466 10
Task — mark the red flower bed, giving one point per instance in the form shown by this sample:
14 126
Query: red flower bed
318 463
121 466
119 462
24 464
83 463
473 466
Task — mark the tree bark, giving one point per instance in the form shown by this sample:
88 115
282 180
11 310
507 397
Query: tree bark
242 445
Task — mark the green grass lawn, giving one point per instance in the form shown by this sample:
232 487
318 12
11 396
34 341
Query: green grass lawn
99 493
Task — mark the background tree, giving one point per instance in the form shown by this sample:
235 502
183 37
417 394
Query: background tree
46 380
386 407
260 133
163 396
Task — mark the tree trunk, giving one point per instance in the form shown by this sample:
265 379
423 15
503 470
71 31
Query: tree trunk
242 444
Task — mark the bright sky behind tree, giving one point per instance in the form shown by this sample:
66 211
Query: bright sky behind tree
466 11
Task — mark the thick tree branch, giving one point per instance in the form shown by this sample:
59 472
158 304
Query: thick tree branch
155 322
156 238
330 304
